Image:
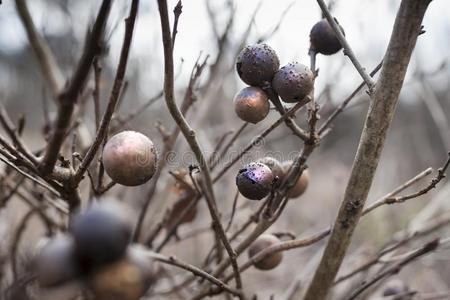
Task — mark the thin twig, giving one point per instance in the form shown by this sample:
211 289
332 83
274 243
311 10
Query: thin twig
347 49
115 92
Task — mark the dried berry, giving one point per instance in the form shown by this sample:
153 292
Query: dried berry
55 264
274 165
129 158
254 181
101 235
262 242
251 104
257 64
323 39
302 183
293 82
126 279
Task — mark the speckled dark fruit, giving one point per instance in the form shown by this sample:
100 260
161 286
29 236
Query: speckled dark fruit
274 165
101 235
129 158
323 39
251 104
293 82
302 183
126 279
255 181
271 261
55 264
257 64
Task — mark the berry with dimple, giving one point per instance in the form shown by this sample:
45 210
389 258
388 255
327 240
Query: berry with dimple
274 165
129 158
126 279
257 64
101 235
323 39
55 264
302 183
251 104
293 82
269 261
254 181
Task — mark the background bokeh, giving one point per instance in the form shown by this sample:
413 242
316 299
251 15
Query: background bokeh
419 137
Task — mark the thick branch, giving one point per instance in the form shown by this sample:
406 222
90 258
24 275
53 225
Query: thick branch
381 111
69 96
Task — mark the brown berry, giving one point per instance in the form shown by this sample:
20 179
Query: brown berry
254 181
293 82
129 158
269 261
323 39
274 165
126 279
55 264
251 104
302 183
257 64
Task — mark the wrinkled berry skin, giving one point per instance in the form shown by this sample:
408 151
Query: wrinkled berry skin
262 242
251 104
254 181
55 264
129 158
256 64
274 165
302 183
293 82
323 39
101 235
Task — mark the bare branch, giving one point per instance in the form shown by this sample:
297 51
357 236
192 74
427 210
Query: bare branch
49 68
347 49
381 111
69 95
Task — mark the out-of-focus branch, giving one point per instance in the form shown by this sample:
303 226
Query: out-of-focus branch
347 49
388 199
49 68
115 92
69 95
395 268
381 111
188 267
344 104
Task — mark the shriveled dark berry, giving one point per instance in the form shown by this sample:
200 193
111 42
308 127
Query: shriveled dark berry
55 264
256 64
323 39
101 235
274 165
271 261
293 82
255 181
251 104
